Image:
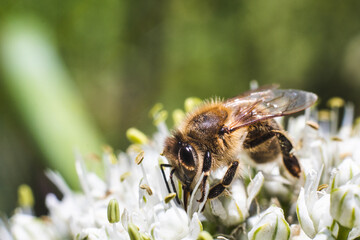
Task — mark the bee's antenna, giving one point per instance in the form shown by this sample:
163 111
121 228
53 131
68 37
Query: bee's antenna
163 174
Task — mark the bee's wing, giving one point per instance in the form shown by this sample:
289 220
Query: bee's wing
270 103
259 89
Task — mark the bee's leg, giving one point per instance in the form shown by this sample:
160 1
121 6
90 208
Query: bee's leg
265 141
216 190
291 162
206 170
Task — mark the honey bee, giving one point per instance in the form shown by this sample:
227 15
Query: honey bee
214 135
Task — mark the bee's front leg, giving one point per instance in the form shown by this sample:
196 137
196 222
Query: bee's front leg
219 188
206 170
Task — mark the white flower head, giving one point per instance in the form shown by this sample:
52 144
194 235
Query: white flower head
327 206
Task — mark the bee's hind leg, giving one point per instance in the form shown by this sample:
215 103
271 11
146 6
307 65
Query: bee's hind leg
265 141
290 160
219 188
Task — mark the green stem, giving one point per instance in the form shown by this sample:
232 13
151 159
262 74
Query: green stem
343 232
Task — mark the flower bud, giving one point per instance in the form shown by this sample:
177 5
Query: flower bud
271 225
345 172
345 205
169 197
254 188
313 206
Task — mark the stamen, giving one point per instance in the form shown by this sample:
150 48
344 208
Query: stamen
147 188
336 139
178 115
313 124
136 136
322 186
169 197
336 102
124 176
160 117
203 235
133 231
139 158
25 198
155 109
113 213
191 103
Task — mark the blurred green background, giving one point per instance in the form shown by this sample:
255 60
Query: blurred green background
77 74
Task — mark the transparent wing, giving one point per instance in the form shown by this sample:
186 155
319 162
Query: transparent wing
259 89
269 103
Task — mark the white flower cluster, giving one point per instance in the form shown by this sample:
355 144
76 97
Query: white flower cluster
133 202
328 206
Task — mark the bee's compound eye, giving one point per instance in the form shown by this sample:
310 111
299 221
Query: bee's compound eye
186 156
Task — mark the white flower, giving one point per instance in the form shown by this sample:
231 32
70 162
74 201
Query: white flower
345 172
26 227
4 231
345 205
174 224
297 233
233 209
147 213
313 206
93 234
354 233
254 188
270 225
325 234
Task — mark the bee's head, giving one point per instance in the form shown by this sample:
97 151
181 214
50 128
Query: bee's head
183 157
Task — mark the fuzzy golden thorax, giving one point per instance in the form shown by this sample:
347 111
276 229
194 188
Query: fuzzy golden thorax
202 131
